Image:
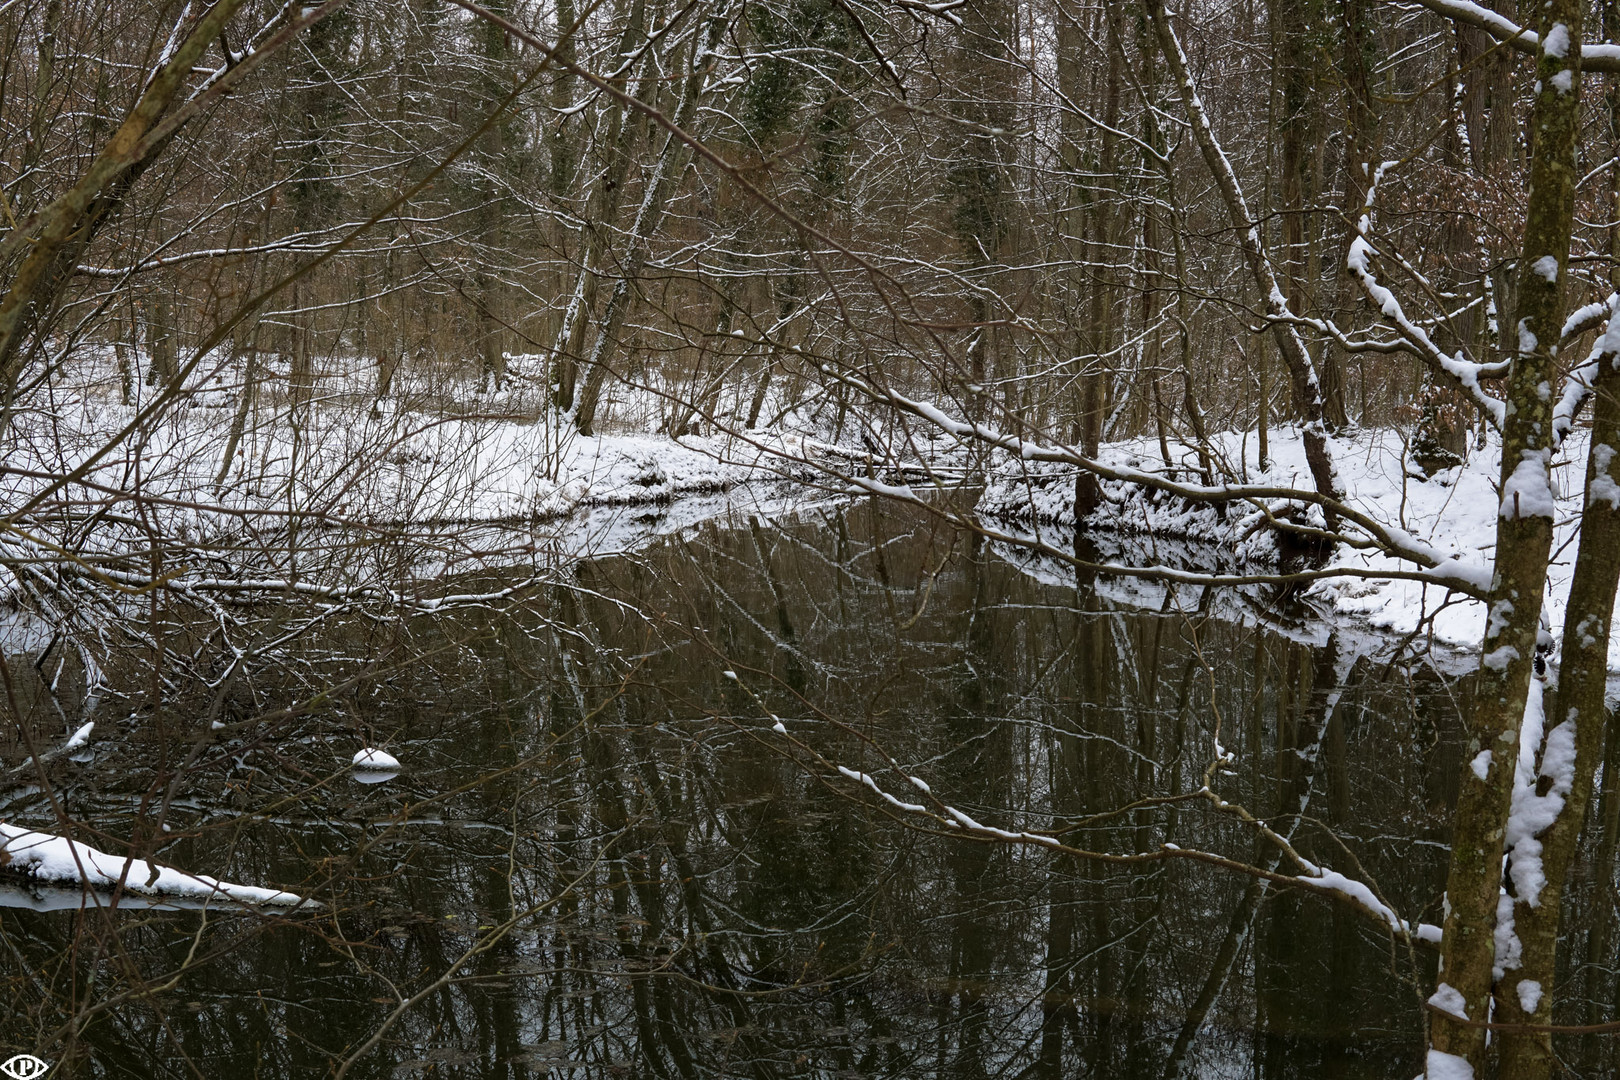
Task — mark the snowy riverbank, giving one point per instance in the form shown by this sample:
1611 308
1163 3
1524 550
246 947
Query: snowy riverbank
438 457
1454 511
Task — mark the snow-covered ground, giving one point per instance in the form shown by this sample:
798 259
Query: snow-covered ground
1454 511
435 462
437 455
444 457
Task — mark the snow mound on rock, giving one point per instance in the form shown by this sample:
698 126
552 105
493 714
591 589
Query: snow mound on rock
375 760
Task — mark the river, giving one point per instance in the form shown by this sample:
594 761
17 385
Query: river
601 859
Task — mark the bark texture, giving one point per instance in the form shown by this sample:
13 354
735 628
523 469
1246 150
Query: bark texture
1523 543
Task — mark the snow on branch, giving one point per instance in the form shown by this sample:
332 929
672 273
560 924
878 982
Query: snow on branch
1588 317
1329 883
1606 349
1448 569
1463 372
1594 57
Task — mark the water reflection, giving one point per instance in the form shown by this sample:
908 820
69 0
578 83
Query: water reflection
605 862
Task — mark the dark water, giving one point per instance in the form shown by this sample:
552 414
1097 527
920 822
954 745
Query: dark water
625 872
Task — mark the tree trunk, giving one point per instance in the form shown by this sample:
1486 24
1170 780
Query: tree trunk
244 406
492 356
1301 369
672 161
1523 543
161 347
1577 722
602 211
1102 333
1361 152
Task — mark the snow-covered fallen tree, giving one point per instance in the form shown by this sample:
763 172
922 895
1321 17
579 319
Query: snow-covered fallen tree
58 861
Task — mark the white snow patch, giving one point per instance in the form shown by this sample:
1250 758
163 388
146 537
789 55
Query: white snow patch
1602 487
375 760
1500 612
1531 814
1529 991
1556 42
1481 765
1453 517
1527 492
1609 342
1439 1065
80 737
1359 892
1449 999
1527 340
60 861
1509 949
1546 268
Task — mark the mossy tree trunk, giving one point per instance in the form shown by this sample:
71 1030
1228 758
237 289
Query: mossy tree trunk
1523 545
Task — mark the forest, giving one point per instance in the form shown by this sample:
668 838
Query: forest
810 538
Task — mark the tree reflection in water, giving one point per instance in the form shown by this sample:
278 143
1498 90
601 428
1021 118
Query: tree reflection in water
715 901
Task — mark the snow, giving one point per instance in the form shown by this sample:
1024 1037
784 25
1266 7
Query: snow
1481 764
1448 999
863 778
60 861
80 737
1601 485
1439 1065
1527 339
1501 615
1529 991
1546 268
1557 41
1605 350
434 453
956 817
1359 892
1509 950
1359 263
1527 492
1452 516
1608 343
375 760
1530 813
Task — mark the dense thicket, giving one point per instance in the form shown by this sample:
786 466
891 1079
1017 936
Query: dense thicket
998 201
